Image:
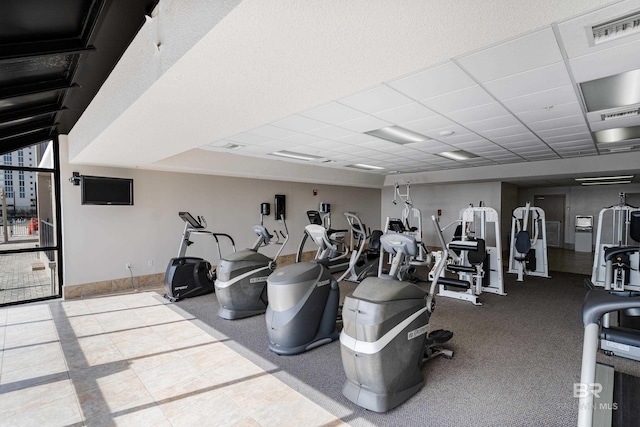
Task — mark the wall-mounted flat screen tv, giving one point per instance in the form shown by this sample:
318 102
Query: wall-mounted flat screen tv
101 190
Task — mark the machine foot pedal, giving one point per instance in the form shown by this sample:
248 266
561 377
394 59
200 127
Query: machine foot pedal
440 336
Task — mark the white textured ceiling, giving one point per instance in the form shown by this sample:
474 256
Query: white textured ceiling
312 77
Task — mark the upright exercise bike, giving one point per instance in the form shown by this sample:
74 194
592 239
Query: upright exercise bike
242 276
191 276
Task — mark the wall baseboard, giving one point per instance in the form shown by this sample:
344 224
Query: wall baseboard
143 282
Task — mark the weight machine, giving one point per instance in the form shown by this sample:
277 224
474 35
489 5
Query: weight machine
618 235
482 268
527 253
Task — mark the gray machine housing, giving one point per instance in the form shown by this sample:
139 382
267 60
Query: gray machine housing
385 335
303 307
385 324
241 280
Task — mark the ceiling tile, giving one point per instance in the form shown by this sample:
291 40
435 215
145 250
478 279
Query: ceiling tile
541 100
378 145
556 111
299 123
574 34
524 53
570 130
569 137
332 113
356 138
493 123
604 63
269 131
562 122
433 82
364 124
378 99
303 138
522 137
476 114
506 131
538 80
331 132
406 113
429 146
459 100
429 124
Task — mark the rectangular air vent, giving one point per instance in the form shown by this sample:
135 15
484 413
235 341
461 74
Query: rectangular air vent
620 115
617 28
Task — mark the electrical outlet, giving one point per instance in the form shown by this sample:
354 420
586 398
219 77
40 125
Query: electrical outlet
127 266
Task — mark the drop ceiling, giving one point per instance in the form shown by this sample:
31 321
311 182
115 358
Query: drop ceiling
508 85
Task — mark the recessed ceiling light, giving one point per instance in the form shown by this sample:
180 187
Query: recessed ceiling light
458 155
294 155
606 178
366 167
446 132
606 182
612 91
617 134
398 135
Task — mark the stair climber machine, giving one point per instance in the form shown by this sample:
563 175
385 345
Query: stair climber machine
303 301
385 338
337 259
608 397
242 276
190 276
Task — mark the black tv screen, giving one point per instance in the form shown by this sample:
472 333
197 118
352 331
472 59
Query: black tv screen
100 190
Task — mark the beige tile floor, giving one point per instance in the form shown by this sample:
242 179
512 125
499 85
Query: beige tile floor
106 361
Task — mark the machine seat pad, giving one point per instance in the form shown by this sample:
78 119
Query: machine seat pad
440 336
382 290
457 283
622 335
462 268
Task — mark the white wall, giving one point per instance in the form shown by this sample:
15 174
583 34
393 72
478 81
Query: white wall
450 198
99 240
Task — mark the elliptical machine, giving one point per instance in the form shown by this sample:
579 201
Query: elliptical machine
303 302
242 276
336 260
384 339
362 262
191 276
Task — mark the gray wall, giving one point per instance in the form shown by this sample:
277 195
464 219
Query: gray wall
588 200
450 198
100 240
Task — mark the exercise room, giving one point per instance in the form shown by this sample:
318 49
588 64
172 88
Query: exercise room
278 213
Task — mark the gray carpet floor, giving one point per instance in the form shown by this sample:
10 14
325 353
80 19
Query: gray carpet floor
516 359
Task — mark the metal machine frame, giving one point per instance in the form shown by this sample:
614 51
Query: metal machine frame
524 219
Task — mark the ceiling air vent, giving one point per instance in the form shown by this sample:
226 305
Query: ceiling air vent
617 28
620 115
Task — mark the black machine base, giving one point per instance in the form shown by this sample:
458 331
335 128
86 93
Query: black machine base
188 277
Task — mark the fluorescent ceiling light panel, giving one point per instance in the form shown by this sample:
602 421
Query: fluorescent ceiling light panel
294 155
366 167
617 134
615 91
398 135
616 28
606 178
606 182
458 155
